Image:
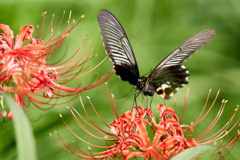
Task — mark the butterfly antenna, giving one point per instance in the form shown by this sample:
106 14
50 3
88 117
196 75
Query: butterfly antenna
127 93
148 72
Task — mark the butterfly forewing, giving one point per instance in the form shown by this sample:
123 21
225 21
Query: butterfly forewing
170 74
179 55
118 47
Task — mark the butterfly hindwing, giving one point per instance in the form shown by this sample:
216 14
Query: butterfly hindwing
118 47
170 74
171 79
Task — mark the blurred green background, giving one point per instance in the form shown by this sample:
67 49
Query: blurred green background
154 28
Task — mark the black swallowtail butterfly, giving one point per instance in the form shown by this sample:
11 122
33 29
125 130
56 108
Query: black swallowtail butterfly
167 77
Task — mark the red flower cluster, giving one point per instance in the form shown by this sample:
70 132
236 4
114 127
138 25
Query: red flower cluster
131 136
25 70
131 133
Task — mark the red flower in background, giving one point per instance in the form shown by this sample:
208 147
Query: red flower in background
131 133
25 70
130 136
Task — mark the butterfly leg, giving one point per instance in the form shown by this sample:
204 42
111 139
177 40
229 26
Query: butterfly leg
147 102
151 102
136 94
143 101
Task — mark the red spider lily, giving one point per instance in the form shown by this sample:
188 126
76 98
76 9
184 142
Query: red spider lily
130 136
25 70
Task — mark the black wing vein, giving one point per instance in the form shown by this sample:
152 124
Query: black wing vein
116 42
179 55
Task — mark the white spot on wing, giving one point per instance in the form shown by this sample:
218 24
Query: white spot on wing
183 67
164 86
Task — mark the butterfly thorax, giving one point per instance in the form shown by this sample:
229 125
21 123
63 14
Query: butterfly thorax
144 86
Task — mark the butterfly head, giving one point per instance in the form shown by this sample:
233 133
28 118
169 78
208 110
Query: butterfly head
144 86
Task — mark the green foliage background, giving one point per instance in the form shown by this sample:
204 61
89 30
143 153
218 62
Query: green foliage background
154 28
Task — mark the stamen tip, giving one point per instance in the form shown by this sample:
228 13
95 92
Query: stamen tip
89 148
56 131
50 134
60 115
88 97
106 83
133 148
112 95
236 109
82 16
65 35
226 132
